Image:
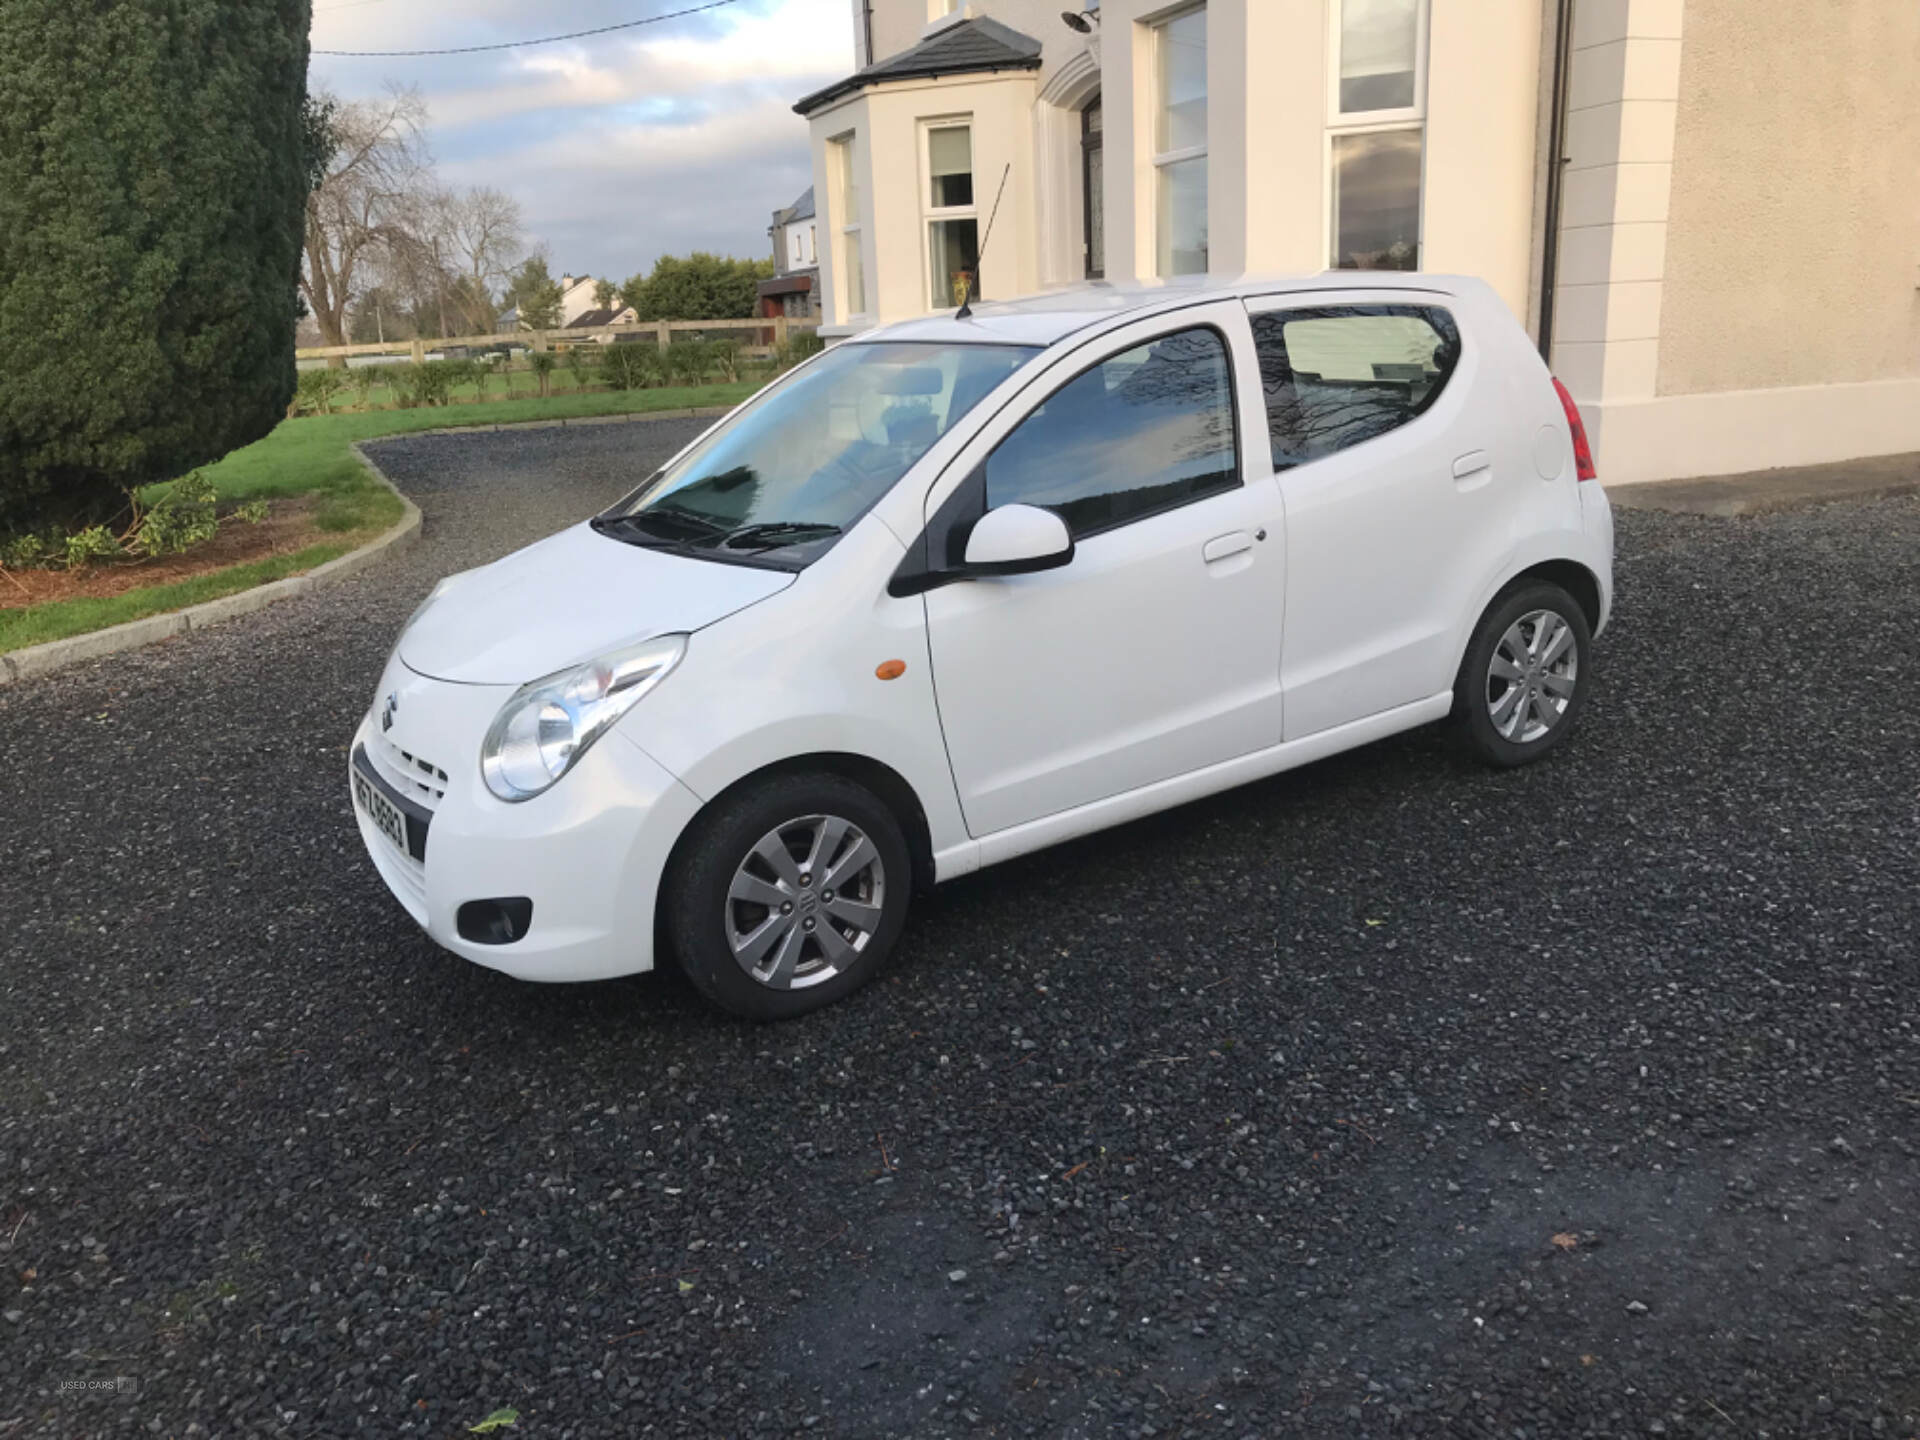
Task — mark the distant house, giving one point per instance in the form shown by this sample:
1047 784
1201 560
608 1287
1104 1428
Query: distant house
794 289
591 319
576 297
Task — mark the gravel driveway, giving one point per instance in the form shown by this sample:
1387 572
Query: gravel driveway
1391 1097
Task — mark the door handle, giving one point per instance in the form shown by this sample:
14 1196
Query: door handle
1471 463
1223 546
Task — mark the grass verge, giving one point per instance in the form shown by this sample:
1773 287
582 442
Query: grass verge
60 619
313 456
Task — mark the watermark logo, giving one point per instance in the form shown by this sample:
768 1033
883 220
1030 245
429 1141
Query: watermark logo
128 1385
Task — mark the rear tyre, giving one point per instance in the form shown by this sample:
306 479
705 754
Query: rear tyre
1525 675
788 896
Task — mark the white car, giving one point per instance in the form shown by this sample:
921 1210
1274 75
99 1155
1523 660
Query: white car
957 590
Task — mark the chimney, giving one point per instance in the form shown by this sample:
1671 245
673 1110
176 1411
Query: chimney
566 282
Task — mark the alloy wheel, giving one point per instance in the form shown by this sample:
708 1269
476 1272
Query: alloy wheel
805 901
1532 676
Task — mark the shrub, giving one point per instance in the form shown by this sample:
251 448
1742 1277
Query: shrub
687 361
724 357
431 381
402 385
805 344
93 543
458 373
184 517
628 367
541 363
29 551
580 367
153 183
316 389
251 512
362 378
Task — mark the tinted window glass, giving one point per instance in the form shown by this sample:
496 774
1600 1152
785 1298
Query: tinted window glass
1147 430
1337 376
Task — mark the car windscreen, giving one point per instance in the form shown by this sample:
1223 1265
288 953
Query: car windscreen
777 485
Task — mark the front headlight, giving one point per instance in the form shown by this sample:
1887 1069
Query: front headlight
547 726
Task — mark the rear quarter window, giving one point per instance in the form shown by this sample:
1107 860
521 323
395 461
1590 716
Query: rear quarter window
1337 376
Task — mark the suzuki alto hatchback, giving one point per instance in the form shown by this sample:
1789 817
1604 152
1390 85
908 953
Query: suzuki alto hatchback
956 590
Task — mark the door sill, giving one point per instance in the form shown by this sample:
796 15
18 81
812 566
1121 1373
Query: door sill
972 855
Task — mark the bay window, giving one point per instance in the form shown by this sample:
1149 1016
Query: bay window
1180 144
848 223
953 222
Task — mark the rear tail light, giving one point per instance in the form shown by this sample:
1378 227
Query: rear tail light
1582 451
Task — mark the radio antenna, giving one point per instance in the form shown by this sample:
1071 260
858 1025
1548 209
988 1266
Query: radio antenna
965 312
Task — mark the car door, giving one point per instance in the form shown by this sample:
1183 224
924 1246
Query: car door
1155 651
1393 481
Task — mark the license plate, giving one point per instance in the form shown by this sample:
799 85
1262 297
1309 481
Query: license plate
385 815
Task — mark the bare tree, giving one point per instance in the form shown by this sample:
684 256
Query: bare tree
483 235
359 212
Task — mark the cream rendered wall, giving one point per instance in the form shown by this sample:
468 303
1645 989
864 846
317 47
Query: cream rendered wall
1740 241
1793 238
1622 95
1483 95
847 118
1270 126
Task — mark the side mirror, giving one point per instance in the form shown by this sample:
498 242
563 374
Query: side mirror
1018 540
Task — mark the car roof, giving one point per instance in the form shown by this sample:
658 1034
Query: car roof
1053 315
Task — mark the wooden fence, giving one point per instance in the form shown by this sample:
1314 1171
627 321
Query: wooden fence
773 332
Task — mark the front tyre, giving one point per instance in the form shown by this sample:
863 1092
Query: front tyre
788 896
1525 675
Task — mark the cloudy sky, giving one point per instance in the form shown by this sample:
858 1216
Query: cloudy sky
657 140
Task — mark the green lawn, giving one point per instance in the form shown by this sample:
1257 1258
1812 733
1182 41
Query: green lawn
37 624
310 456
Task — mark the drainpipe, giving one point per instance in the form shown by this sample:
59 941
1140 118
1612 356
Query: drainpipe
1556 172
866 24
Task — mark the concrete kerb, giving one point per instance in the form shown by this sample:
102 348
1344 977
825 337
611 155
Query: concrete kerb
57 654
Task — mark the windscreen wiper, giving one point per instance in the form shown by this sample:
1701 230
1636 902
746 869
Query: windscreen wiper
772 534
634 527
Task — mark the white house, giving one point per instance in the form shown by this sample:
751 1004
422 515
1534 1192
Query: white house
1721 261
576 297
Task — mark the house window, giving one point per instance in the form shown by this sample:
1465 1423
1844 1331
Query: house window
847 207
953 224
1093 192
1180 143
1376 134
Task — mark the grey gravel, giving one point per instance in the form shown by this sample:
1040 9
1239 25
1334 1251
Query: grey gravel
1319 1070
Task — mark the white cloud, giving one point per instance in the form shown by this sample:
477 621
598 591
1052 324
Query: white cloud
621 148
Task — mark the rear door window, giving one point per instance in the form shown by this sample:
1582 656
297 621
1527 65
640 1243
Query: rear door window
1335 376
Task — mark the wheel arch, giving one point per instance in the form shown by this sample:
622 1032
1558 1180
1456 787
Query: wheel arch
1571 576
888 785
1576 577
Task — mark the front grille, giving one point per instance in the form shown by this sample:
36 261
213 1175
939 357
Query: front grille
415 776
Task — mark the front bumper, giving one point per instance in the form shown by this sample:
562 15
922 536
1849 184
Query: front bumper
589 853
